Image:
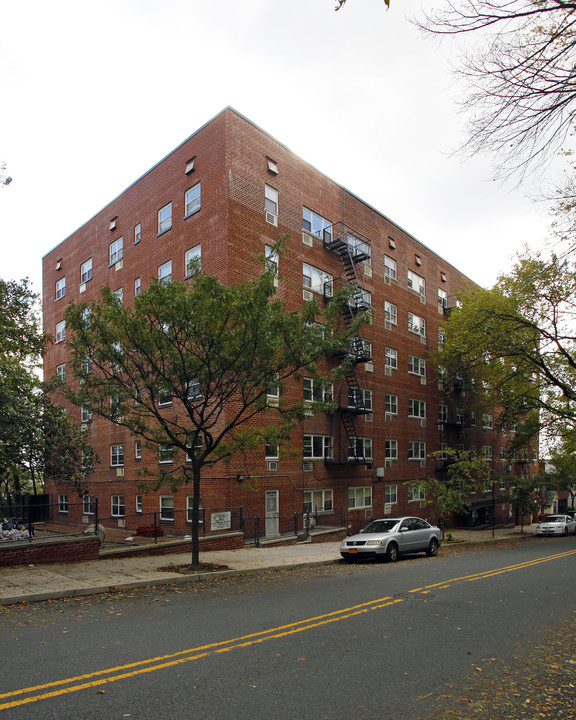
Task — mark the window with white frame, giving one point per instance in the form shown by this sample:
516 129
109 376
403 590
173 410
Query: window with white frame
391 358
117 455
137 286
442 298
138 450
61 331
88 505
193 445
359 497
416 366
316 224
193 199
359 448
118 508
317 447
390 312
271 259
391 449
189 504
61 372
273 390
391 404
486 452
441 337
271 450
86 271
116 251
167 508
315 391
460 416
138 504
271 199
487 422
194 390
442 414
63 503
416 450
193 260
165 218
416 283
390 268
86 414
472 417
60 288
416 408
416 494
316 280
360 398
165 272
317 501
137 233
165 454
119 295
87 365
391 494
416 324
442 447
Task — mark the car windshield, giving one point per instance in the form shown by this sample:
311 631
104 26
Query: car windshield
380 526
555 518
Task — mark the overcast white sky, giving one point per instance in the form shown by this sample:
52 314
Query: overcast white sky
93 94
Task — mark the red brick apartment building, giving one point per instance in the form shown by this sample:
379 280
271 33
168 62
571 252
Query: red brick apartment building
224 195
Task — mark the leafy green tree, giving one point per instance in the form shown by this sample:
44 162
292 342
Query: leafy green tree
213 352
563 461
461 474
517 341
524 495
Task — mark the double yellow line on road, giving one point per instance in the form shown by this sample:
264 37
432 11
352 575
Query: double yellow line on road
16 698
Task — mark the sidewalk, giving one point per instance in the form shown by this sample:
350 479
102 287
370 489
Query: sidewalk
43 582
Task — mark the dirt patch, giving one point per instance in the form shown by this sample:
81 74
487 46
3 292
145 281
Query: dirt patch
185 569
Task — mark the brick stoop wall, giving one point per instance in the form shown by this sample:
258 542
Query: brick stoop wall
49 551
228 541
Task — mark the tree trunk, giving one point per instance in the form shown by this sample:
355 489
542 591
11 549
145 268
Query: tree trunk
195 559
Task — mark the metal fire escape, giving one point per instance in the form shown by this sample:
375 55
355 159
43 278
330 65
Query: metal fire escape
351 250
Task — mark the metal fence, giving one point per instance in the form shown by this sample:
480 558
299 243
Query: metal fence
300 524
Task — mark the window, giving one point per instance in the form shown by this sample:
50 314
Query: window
87 365
416 366
119 295
416 324
472 418
317 447
390 494
390 313
360 398
138 450
118 509
317 280
486 452
61 372
165 273
61 331
416 283
271 450
86 271
137 234
502 453
314 391
487 422
137 287
441 337
116 251
165 454
392 404
416 408
460 416
138 503
88 505
271 199
442 298
359 497
316 225
63 503
193 260
117 455
164 218
167 508
416 450
416 494
86 414
189 504
194 390
360 449
442 414
391 449
271 259
391 358
60 288
273 390
390 268
317 501
192 200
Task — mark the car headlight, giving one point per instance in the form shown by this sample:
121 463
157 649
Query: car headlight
374 542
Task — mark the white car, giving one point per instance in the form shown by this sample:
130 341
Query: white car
390 537
556 525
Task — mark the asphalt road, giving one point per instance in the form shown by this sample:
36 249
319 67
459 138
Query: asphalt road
330 642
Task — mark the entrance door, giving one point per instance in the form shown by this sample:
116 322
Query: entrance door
272 525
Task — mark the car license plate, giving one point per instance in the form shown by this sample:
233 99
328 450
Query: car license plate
353 550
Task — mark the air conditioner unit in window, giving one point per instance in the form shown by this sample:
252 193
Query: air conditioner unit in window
387 280
423 422
121 522
423 299
441 309
367 271
422 463
368 514
119 265
388 370
307 239
83 287
272 465
422 381
369 367
387 325
120 472
423 339
271 218
388 462
388 417
307 295
307 466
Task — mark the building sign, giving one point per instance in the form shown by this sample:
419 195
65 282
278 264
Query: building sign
221 521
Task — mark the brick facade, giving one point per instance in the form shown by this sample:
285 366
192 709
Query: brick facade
233 160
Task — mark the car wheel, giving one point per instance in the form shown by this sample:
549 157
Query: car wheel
432 549
392 552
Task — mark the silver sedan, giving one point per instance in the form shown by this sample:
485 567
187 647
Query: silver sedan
556 525
390 537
